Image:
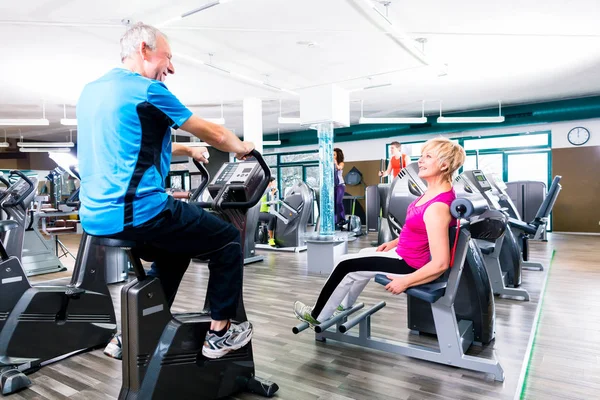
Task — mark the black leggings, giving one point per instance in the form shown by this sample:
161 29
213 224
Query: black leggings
352 274
183 231
270 219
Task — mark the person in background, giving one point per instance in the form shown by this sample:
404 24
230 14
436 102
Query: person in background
398 161
265 215
340 187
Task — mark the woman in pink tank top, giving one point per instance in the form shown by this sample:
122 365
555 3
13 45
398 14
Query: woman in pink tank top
421 253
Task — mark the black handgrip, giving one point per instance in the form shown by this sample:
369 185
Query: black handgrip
382 279
13 203
75 171
73 200
203 184
259 192
525 247
4 181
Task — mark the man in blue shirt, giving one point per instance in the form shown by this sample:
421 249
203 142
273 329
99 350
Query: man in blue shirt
124 145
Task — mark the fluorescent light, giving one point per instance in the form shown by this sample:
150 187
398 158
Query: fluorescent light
201 8
233 73
271 86
218 121
419 120
393 120
469 120
5 143
68 121
25 122
218 68
284 120
46 144
44 150
272 143
376 86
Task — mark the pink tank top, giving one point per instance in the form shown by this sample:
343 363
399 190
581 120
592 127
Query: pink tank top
413 245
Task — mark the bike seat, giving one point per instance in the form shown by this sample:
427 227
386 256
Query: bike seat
111 242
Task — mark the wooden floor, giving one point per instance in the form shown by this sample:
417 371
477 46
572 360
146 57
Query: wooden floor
565 362
566 354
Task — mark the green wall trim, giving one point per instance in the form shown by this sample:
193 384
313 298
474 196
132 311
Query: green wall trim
537 113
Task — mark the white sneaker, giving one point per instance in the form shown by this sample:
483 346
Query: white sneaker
236 337
114 348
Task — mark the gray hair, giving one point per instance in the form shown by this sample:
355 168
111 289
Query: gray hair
135 35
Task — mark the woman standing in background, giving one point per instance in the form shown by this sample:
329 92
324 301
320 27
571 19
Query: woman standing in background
340 187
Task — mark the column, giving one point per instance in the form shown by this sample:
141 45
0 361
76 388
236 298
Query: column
326 170
253 127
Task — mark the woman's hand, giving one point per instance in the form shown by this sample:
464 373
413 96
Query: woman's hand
397 285
387 246
380 173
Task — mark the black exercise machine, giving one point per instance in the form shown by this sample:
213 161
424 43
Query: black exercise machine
162 352
43 323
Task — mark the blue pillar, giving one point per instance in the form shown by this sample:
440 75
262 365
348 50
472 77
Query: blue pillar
325 133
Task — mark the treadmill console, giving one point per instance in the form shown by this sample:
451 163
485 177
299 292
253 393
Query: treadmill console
241 179
475 182
481 180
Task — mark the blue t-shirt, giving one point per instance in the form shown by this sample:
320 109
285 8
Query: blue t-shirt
124 126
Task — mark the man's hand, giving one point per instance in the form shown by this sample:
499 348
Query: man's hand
247 148
397 285
199 154
387 246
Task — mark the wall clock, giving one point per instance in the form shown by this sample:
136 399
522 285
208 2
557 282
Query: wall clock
578 136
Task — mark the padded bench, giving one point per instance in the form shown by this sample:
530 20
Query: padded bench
429 292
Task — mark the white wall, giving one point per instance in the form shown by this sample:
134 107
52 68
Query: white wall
374 149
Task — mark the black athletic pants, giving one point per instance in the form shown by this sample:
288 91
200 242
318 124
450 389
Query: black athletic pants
181 232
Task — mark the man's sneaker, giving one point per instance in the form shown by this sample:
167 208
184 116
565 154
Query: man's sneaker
272 242
304 313
114 348
236 337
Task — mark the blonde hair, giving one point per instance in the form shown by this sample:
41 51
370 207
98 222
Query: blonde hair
449 154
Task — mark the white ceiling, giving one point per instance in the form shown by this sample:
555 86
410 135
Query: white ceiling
514 51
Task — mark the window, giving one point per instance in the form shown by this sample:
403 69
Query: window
274 172
313 178
412 149
299 165
488 163
299 157
528 167
271 160
289 176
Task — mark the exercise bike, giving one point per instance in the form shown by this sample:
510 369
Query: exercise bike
162 352
43 323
